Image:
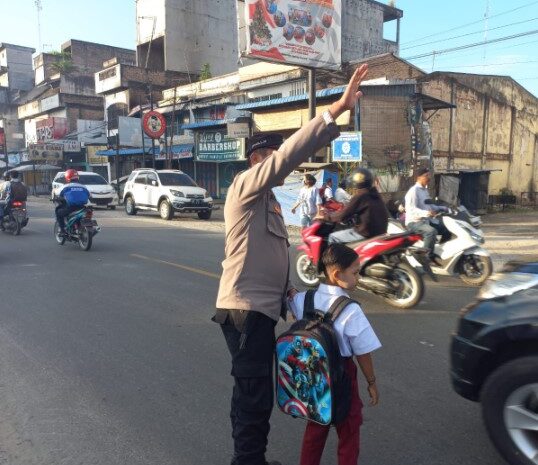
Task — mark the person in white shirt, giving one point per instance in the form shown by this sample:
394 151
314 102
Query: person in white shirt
326 191
418 213
309 201
356 338
341 195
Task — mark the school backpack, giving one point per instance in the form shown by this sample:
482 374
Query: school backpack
311 382
19 192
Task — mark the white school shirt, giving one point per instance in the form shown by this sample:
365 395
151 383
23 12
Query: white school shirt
328 193
310 199
353 331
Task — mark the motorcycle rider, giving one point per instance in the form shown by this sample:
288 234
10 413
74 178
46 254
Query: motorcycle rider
418 213
72 197
366 208
13 189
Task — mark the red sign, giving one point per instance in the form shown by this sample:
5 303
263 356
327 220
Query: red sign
51 128
154 124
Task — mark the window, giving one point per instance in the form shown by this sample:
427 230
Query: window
298 88
92 180
60 179
141 178
264 98
131 176
176 179
152 177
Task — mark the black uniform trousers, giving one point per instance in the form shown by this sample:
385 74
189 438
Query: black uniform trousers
250 337
63 211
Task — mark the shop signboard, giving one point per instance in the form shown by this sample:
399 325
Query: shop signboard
51 153
347 147
305 33
216 146
238 130
130 130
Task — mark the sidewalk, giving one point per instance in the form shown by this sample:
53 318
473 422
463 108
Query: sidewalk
509 235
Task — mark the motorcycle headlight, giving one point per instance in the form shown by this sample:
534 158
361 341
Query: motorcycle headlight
177 193
506 284
477 237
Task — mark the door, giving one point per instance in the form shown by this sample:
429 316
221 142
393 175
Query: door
139 189
152 190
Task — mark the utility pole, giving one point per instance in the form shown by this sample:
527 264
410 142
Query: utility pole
486 29
173 123
39 8
311 99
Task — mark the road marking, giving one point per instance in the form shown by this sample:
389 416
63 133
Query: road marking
177 265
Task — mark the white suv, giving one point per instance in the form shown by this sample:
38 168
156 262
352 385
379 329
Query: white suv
165 191
101 192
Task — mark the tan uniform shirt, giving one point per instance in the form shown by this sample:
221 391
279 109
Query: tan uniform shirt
256 251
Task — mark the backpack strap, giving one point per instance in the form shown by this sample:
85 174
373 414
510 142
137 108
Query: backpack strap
339 306
309 312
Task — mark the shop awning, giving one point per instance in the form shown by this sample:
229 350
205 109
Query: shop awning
432 103
320 94
179 152
209 124
125 152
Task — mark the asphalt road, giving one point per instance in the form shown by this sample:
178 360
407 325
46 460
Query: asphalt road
109 357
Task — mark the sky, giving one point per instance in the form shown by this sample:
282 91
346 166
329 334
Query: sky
427 26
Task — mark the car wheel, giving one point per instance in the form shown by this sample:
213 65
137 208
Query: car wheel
510 409
204 215
130 207
165 210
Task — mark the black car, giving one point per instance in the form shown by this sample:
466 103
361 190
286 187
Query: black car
494 358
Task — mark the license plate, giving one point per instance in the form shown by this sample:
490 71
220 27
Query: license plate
196 202
88 223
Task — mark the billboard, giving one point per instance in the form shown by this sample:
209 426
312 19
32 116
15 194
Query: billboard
296 32
51 128
130 130
51 153
216 146
91 132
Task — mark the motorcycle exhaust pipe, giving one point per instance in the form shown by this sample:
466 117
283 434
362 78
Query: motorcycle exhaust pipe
378 286
378 270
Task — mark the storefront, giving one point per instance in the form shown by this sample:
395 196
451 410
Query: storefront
180 158
97 163
218 159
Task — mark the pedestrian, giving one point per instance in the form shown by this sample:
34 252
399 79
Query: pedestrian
326 191
341 194
356 338
419 213
254 283
309 201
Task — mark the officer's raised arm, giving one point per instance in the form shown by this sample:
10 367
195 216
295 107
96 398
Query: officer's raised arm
269 167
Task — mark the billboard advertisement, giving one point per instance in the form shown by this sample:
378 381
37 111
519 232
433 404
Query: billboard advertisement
51 128
50 153
130 130
296 32
91 132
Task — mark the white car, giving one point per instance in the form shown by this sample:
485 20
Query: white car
101 192
165 191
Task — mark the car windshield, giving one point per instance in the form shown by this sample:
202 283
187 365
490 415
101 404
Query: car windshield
92 180
176 179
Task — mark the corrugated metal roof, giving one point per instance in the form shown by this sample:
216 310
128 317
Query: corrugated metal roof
296 98
208 124
125 152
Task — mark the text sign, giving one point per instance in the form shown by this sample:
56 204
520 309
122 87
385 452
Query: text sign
348 147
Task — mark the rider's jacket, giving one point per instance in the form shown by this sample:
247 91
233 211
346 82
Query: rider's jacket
75 194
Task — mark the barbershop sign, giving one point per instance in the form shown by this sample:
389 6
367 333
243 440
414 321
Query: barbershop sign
216 146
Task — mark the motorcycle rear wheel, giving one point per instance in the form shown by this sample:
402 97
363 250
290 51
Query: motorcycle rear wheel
85 238
475 269
411 287
16 227
306 271
59 239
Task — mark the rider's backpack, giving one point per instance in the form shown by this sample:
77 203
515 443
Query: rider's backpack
311 382
19 192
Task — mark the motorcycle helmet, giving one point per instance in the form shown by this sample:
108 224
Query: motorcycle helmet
71 175
362 178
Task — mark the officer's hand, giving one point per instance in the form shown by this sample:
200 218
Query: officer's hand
351 94
292 292
374 394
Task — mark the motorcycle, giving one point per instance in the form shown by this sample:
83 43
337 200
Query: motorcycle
462 255
80 227
384 269
16 219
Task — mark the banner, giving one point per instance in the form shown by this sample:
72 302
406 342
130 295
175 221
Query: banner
296 32
51 153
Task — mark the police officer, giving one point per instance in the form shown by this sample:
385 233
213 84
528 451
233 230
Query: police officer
255 281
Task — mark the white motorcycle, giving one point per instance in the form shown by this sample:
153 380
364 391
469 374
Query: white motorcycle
462 255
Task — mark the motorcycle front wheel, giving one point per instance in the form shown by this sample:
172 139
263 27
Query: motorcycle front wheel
306 270
59 239
475 269
410 287
85 237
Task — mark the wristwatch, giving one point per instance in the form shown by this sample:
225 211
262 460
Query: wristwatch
327 117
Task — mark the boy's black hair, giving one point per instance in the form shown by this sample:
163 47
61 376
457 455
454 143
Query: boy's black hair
339 255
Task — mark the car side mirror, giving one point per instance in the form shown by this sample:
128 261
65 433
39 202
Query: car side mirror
153 183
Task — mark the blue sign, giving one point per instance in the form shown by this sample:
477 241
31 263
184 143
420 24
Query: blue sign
348 147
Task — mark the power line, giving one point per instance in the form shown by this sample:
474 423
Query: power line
470 34
494 64
470 24
476 44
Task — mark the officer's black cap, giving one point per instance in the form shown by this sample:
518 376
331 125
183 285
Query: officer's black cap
262 141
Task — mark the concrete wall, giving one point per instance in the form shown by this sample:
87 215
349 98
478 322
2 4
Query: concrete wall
362 30
19 63
494 127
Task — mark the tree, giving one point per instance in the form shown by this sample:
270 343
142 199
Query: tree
64 63
205 72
